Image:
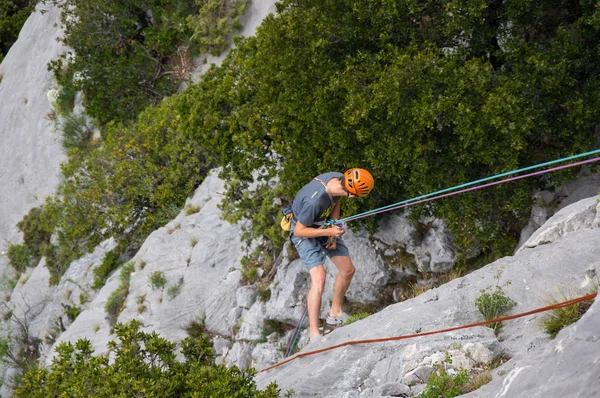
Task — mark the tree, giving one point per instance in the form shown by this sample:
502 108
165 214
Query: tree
426 95
13 14
144 364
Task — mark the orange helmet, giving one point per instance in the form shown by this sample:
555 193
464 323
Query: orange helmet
358 182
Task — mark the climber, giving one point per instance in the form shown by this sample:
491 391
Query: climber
313 242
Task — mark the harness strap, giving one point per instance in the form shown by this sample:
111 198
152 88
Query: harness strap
325 186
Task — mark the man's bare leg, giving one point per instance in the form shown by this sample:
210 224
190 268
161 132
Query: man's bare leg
313 300
342 281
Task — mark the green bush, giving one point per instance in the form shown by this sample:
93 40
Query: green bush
157 280
215 22
174 290
392 87
76 132
144 364
103 271
72 312
123 51
493 302
442 384
133 184
116 301
20 257
13 14
555 320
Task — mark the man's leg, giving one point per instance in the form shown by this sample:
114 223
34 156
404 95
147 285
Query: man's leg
342 282
317 283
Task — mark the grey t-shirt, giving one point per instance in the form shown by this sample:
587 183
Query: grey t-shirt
312 201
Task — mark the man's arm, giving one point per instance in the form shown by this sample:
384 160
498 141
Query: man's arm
302 231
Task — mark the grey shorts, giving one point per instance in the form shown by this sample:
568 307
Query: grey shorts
312 250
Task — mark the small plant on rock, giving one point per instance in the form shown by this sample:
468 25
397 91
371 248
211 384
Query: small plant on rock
356 317
157 280
558 318
493 302
443 384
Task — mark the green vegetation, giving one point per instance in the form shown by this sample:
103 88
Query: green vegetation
424 95
356 317
157 280
174 290
72 312
215 22
144 364
443 384
36 237
493 302
556 319
190 209
103 271
13 14
116 300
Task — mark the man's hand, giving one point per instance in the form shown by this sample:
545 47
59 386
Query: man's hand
336 231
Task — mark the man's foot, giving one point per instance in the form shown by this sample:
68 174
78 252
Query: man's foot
337 320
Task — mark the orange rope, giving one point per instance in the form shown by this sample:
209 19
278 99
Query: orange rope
409 336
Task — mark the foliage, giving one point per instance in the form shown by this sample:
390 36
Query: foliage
76 132
443 384
144 364
20 257
215 22
190 209
116 301
356 317
135 182
493 302
36 229
424 95
174 290
555 320
264 294
72 312
122 52
13 14
110 262
157 280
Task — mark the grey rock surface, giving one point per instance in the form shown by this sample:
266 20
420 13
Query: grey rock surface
31 152
535 273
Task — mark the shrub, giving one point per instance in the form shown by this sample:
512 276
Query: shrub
20 257
116 300
76 132
555 320
72 312
443 384
174 290
215 21
123 51
13 14
144 364
190 209
157 280
103 271
36 227
493 302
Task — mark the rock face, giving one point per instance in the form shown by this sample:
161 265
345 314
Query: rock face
535 273
31 152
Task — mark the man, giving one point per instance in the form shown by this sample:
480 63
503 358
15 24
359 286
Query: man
314 243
